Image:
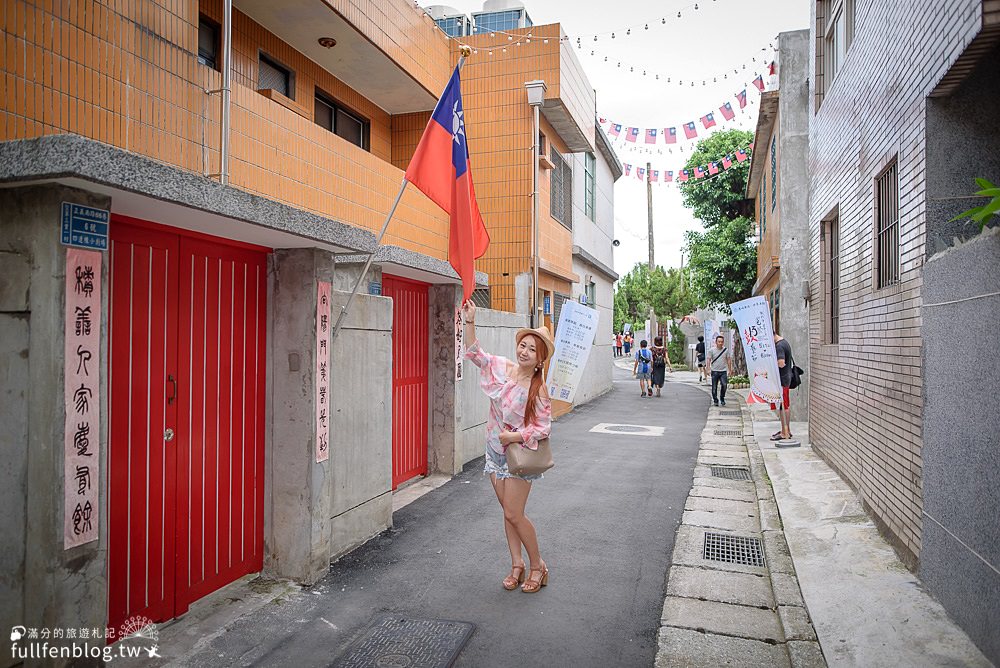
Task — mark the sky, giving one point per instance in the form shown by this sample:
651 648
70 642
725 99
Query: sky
718 37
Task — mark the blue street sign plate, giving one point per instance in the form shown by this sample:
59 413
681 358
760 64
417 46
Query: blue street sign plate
84 226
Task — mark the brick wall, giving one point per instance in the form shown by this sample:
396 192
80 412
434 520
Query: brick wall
865 392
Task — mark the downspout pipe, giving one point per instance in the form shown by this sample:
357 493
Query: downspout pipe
227 75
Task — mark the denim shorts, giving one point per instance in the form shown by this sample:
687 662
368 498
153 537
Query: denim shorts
497 463
643 375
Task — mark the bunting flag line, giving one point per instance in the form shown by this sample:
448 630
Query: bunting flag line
727 111
708 120
741 97
633 134
651 136
759 83
694 175
670 135
690 131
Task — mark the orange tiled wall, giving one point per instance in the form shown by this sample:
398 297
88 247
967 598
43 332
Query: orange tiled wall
499 128
126 74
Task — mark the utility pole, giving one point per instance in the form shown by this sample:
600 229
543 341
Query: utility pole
682 271
649 208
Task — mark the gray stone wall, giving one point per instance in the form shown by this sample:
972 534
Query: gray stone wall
42 584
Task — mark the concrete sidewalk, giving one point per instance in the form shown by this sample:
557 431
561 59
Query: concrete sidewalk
867 608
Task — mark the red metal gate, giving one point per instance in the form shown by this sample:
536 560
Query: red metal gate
187 322
410 361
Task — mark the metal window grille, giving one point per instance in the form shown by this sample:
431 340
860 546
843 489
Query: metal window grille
832 272
275 77
774 172
561 190
560 299
481 297
208 43
887 226
589 183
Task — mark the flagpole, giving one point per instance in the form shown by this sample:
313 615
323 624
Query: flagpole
466 51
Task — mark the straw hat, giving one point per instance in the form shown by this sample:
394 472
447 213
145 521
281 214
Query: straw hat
542 333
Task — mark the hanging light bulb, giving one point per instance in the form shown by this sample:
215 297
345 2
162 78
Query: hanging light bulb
663 21
591 53
678 14
657 77
647 26
612 35
696 5
628 32
595 38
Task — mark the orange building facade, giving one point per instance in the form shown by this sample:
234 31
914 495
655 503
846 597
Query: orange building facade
218 285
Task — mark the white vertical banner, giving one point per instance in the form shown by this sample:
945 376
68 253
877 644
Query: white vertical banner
459 344
574 340
323 371
81 369
707 333
753 321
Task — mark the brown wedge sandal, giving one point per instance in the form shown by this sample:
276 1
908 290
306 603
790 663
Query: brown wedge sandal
515 578
531 585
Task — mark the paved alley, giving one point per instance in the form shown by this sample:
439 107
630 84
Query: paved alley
606 518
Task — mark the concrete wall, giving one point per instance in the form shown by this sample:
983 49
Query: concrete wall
961 535
41 584
495 331
793 202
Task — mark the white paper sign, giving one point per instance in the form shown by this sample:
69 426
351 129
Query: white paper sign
459 344
754 322
323 372
82 429
574 340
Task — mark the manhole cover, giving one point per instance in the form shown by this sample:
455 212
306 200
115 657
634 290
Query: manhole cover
626 428
730 413
728 432
394 642
734 549
731 472
634 429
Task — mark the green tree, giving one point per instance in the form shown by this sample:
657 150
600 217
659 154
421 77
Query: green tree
659 289
723 263
717 199
677 348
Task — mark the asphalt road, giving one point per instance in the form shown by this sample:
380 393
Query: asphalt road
606 517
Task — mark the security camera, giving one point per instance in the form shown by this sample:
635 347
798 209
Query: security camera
616 243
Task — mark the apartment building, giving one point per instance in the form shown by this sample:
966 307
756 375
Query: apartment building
902 297
184 218
778 185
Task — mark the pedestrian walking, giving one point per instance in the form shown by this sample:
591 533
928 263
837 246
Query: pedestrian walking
700 352
520 413
720 366
643 367
618 345
628 344
660 366
786 363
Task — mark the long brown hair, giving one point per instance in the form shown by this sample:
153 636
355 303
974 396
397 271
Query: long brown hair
537 379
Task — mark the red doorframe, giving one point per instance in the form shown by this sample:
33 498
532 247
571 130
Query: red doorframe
410 371
187 323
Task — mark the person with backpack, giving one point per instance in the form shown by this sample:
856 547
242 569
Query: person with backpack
642 367
659 365
628 343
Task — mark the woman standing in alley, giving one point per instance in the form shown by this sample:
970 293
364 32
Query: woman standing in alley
520 413
659 366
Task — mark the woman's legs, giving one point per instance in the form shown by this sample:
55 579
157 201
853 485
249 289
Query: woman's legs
513 540
515 497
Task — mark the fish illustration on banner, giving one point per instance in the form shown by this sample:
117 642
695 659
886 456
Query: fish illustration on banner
753 322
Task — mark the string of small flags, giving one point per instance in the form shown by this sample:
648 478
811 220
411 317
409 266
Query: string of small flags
685 175
669 135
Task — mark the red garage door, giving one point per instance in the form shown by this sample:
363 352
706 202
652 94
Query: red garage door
187 322
410 352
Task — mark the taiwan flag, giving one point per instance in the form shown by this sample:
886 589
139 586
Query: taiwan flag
628 169
741 155
633 134
614 129
727 162
698 172
683 176
651 136
670 135
601 120
655 178
759 83
727 111
713 168
668 177
441 170
690 131
640 172
708 120
741 97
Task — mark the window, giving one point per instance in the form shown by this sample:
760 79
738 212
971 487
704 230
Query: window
541 143
775 303
590 291
454 26
275 77
835 32
830 241
341 122
774 172
589 184
887 226
561 190
208 43
762 201
510 19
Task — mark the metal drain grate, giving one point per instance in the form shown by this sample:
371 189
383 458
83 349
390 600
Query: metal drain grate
731 472
395 641
728 432
730 413
734 549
